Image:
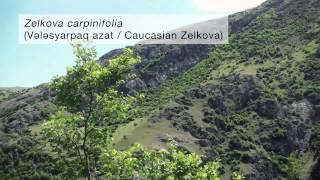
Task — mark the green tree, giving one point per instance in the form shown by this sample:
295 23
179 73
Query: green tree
170 164
91 108
294 167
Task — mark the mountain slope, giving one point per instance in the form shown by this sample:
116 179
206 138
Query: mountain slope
254 103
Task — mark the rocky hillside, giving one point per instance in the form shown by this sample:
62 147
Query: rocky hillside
8 93
254 103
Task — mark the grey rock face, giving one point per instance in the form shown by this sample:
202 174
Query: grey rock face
268 108
234 93
160 62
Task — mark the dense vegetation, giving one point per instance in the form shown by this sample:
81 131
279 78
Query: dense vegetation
91 105
265 82
253 104
165 164
80 134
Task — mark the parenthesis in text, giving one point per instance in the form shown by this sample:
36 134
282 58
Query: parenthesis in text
25 36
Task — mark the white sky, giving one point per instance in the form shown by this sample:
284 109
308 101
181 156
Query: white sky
223 5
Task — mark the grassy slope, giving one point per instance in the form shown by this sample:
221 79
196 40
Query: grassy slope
151 134
275 56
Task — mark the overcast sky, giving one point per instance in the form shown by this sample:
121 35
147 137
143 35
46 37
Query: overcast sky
31 65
